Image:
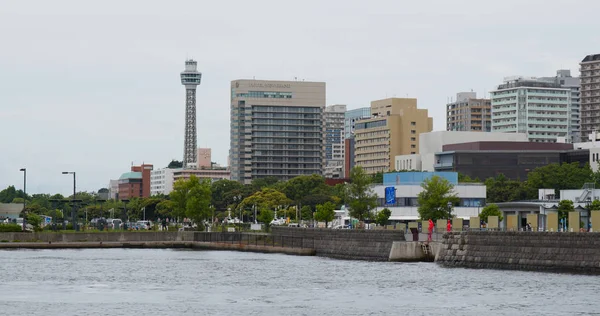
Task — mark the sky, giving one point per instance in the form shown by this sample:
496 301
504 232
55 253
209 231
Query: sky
93 86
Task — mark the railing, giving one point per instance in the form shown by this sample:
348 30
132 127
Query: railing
251 239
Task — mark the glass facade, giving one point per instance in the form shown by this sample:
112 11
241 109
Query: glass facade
350 118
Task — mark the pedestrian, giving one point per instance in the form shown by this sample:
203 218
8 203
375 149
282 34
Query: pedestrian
449 226
528 226
430 230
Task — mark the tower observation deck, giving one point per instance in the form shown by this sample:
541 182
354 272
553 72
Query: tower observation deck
190 78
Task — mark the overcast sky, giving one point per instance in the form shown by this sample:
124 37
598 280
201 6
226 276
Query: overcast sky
92 86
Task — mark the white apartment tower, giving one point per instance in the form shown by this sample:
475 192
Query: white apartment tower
536 107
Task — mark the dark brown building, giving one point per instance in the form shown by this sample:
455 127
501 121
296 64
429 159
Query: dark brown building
135 183
515 160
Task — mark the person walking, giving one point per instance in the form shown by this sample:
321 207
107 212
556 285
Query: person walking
430 230
449 226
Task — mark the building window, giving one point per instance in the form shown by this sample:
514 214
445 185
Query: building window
412 131
412 153
413 146
413 123
388 112
413 139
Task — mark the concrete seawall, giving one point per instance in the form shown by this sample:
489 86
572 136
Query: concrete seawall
352 244
530 251
98 237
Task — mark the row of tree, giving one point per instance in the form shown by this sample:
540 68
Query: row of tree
301 198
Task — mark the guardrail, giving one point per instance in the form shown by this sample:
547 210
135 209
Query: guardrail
265 240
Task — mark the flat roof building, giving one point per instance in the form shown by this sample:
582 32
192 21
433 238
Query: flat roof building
277 129
539 108
590 94
468 113
392 130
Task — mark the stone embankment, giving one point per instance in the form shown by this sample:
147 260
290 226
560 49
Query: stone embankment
352 244
530 251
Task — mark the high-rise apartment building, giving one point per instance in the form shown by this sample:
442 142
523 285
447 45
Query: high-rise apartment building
469 114
334 140
350 118
277 129
564 79
590 95
392 130
536 107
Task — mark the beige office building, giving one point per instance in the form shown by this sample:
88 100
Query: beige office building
392 130
469 114
277 129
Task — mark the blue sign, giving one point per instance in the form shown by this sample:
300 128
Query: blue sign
390 195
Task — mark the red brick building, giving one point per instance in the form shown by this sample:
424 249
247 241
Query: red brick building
135 183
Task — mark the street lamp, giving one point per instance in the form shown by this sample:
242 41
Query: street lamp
24 170
449 210
588 201
74 209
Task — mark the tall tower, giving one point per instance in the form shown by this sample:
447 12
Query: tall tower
190 78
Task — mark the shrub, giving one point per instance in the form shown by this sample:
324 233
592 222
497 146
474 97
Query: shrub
10 228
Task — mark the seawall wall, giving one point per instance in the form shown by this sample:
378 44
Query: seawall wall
352 244
530 251
104 237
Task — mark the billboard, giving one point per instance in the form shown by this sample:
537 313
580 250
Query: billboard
390 195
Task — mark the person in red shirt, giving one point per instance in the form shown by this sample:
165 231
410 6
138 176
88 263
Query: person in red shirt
430 230
449 226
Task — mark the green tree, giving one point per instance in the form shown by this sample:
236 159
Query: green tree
175 164
34 220
261 183
307 190
267 198
9 194
383 217
377 178
325 213
433 200
361 198
462 178
17 200
564 207
560 177
490 210
191 198
265 216
225 193
306 213
501 189
595 205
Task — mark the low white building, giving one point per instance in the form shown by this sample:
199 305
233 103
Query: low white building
10 210
161 181
407 186
433 142
113 189
594 149
548 204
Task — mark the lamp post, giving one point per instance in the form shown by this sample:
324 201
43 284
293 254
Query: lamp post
449 210
588 201
74 209
24 170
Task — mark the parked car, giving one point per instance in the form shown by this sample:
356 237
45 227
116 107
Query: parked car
143 225
114 223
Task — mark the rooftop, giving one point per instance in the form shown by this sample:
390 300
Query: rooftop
589 58
131 175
